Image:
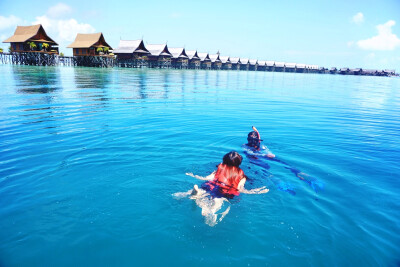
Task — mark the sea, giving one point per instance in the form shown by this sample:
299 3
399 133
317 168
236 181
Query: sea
90 160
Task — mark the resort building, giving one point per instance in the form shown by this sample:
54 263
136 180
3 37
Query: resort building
90 44
300 68
216 63
159 56
253 64
290 67
235 61
131 54
261 65
91 50
180 60
270 65
226 63
244 64
344 71
205 61
194 60
30 45
279 66
333 70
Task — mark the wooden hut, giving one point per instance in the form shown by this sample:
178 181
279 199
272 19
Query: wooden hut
261 65
344 71
91 50
322 70
235 61
333 70
131 54
216 63
226 63
290 67
313 68
279 66
270 65
300 68
369 72
205 61
180 59
244 63
30 45
159 56
253 64
390 72
194 59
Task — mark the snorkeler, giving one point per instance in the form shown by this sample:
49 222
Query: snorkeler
223 184
256 151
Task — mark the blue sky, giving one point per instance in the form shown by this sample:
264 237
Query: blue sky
337 33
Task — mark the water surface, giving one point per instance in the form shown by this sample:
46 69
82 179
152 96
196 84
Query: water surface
89 159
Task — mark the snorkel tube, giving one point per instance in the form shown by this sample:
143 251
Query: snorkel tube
259 136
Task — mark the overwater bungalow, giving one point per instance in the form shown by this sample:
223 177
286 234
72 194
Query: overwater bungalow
344 71
91 50
205 61
300 68
32 46
270 65
226 63
216 63
90 44
235 61
261 65
322 70
159 56
333 70
279 66
313 68
369 72
244 63
180 59
390 72
194 59
253 64
290 67
131 54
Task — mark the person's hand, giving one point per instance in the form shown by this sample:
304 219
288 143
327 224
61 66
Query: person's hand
271 156
266 190
189 174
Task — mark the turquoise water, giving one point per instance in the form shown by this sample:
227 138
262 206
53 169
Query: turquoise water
90 159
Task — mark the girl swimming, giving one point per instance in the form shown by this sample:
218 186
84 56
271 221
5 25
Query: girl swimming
223 184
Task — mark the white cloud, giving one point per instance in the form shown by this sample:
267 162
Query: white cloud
9 22
358 18
59 10
350 43
384 41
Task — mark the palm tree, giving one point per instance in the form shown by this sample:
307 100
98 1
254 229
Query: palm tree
45 46
1 50
32 45
99 50
106 49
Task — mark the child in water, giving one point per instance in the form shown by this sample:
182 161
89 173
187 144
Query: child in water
254 144
223 184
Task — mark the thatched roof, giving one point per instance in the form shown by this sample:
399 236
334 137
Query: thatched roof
234 60
253 62
158 50
244 61
300 66
262 63
87 40
215 58
29 33
204 56
178 52
290 65
192 54
344 69
129 47
280 64
270 63
225 59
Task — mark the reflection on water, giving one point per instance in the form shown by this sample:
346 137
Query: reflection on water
45 81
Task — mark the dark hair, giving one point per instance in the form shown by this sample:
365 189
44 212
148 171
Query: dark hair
232 159
253 140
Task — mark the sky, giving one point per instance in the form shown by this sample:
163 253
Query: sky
341 33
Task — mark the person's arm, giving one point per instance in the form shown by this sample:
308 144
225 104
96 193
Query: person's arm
261 190
207 178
